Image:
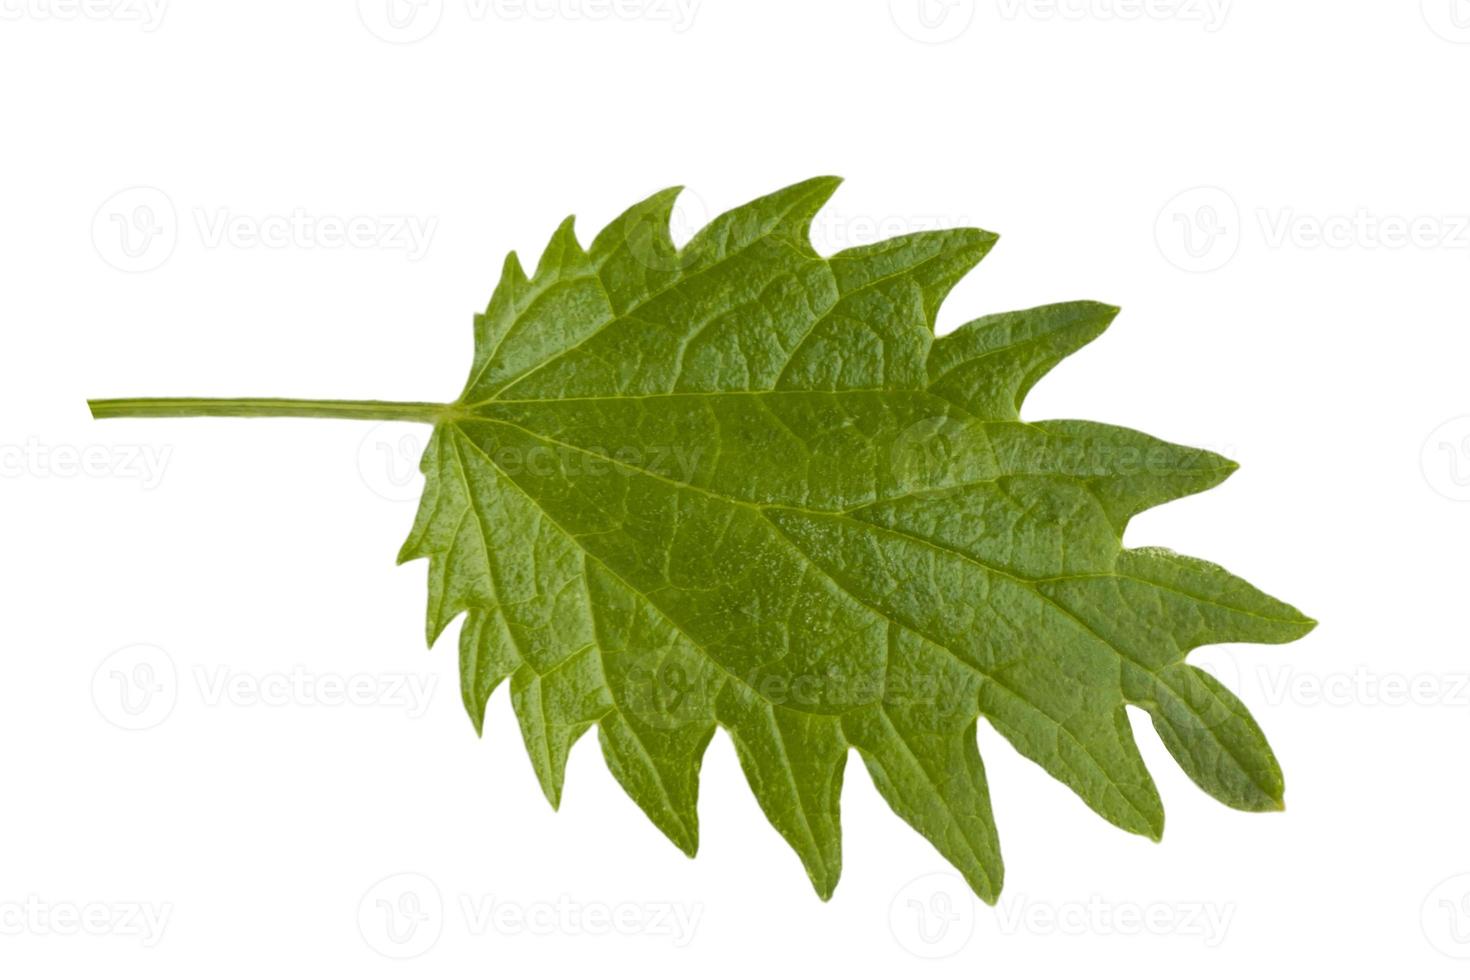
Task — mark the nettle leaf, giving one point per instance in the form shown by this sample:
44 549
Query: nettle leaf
742 485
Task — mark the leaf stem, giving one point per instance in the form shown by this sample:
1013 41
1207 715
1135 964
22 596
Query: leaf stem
116 408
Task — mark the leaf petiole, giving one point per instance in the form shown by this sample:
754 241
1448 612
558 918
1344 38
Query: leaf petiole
114 408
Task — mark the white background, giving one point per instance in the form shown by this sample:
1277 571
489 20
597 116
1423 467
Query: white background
1305 313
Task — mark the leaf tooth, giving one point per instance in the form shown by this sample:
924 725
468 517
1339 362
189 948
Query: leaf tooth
563 255
505 302
786 214
487 656
659 770
644 229
811 196
418 543
662 691
794 764
1177 604
1128 471
990 364
555 707
935 261
512 274
1213 737
459 577
935 781
1091 751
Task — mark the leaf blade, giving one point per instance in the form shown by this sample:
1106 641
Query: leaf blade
741 485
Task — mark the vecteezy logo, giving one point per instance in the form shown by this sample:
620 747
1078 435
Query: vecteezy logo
136 687
388 460
401 916
933 916
672 694
400 21
1199 229
932 21
135 230
1445 459
1450 19
1445 917
645 240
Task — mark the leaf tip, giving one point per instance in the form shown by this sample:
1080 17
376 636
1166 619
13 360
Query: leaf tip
986 887
1266 800
823 877
1153 826
1216 469
1094 317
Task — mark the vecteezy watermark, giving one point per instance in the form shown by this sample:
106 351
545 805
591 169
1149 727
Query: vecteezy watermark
1285 227
144 463
932 21
1199 229
835 230
138 229
1208 922
1355 687
1450 19
1445 917
678 690
147 14
407 21
400 21
1364 687
221 686
35 916
401 916
388 460
301 229
937 455
676 922
138 687
1209 14
1445 459
404 915
933 916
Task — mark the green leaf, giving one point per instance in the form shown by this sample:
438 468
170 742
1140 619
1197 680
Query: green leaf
742 485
